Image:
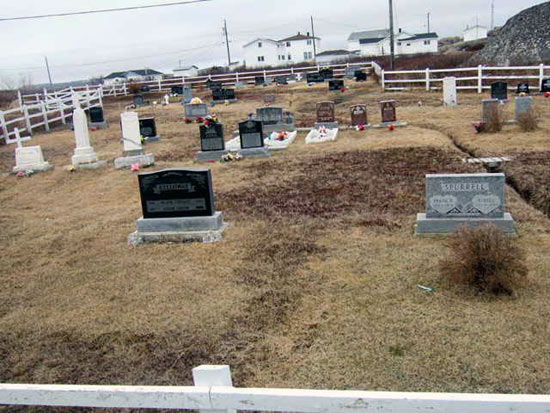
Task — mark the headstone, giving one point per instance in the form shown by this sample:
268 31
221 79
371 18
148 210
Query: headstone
131 138
358 115
212 137
269 99
251 134
388 111
360 76
131 134
545 86
239 85
449 91
326 73
281 80
148 128
350 72
499 90
166 99
210 84
177 90
490 108
259 80
292 78
524 104
270 116
178 206
453 200
314 78
83 153
28 158
187 94
523 88
96 115
335 85
325 112
138 100
196 111
223 94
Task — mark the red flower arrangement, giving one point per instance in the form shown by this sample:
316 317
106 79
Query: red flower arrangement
188 120
200 119
343 89
547 94
391 127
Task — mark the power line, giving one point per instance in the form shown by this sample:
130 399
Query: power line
43 16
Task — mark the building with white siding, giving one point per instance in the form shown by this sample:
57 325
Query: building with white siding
377 43
475 33
291 50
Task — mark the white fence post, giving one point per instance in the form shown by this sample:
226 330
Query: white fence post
210 376
428 79
62 111
236 77
28 125
19 98
45 116
292 70
541 75
265 75
3 125
160 84
480 79
383 79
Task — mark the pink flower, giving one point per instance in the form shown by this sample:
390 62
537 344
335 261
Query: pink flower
135 167
360 127
391 127
20 174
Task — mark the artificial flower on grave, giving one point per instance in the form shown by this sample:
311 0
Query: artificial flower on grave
20 174
214 117
226 102
547 94
143 140
391 127
200 119
343 89
188 120
279 136
71 168
134 167
196 101
93 128
360 128
523 94
478 126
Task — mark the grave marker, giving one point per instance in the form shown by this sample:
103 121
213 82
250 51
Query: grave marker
523 88
335 85
449 91
360 76
545 86
131 139
251 134
490 109
28 158
524 105
314 78
97 118
196 111
358 115
388 111
148 129
84 155
499 90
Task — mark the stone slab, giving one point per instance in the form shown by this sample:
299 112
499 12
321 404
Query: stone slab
89 166
206 237
328 125
182 224
42 167
397 124
254 152
438 226
99 125
143 160
150 139
313 136
210 156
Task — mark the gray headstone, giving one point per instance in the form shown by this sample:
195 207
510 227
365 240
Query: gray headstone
524 104
187 94
196 111
490 106
270 116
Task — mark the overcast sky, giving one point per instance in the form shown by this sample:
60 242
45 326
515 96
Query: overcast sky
80 47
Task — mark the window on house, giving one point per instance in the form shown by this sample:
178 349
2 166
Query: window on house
283 57
309 42
309 55
287 44
259 44
289 57
426 42
399 43
261 58
408 44
305 56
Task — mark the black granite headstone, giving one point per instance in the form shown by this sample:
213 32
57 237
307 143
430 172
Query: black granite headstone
314 78
523 88
360 76
335 85
251 134
177 90
223 94
96 115
327 73
545 86
147 127
499 90
212 137
259 80
270 116
210 84
177 193
281 80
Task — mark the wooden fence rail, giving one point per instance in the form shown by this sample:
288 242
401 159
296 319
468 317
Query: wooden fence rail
469 78
213 390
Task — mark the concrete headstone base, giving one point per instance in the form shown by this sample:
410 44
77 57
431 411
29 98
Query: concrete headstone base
42 167
89 166
210 156
142 160
440 226
191 229
99 125
397 124
152 139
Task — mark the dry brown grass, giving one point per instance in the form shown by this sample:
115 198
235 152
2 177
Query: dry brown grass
306 290
527 121
485 259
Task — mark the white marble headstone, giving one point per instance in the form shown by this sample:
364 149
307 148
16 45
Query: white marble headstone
83 152
130 131
449 91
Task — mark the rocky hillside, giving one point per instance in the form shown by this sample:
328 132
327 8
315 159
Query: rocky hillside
524 39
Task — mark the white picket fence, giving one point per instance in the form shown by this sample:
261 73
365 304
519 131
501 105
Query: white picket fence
49 110
468 78
213 391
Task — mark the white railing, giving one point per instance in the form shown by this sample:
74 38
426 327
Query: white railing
51 108
213 390
469 78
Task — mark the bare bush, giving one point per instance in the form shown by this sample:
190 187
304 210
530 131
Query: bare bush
485 259
527 121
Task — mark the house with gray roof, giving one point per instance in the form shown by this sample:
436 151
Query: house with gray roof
139 75
377 42
290 50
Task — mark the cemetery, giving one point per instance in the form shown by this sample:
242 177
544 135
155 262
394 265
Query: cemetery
316 266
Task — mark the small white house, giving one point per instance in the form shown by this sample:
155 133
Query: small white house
475 33
187 71
291 50
377 42
329 56
142 75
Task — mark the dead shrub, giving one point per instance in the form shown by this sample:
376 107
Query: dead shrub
493 122
485 259
541 200
527 121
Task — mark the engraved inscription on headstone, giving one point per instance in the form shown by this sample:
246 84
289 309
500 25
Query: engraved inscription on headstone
314 78
358 115
388 111
212 137
523 88
196 111
251 134
335 85
545 86
325 112
465 195
173 193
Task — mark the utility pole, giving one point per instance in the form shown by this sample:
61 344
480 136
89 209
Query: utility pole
48 69
227 43
428 22
493 15
313 34
392 45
